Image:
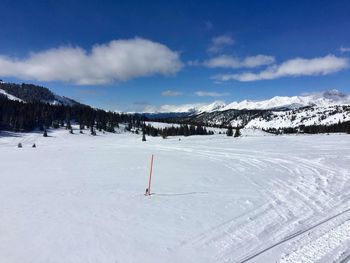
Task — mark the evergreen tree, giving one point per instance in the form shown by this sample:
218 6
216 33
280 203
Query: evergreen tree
68 127
164 134
92 131
55 125
229 130
237 132
143 135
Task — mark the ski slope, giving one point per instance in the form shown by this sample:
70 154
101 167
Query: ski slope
78 198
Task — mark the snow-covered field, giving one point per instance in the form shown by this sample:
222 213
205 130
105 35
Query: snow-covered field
78 198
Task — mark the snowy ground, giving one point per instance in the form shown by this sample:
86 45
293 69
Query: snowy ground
78 198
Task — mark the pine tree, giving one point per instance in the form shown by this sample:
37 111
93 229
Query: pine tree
93 132
237 132
229 130
164 134
68 127
143 135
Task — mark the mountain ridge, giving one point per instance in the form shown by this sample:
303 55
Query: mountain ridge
322 99
33 93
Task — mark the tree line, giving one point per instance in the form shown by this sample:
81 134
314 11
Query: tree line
21 117
313 129
181 130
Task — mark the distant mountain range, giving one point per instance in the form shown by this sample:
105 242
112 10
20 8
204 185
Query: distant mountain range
318 109
33 93
325 99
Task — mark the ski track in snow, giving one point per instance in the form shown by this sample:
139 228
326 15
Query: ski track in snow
253 196
316 249
290 203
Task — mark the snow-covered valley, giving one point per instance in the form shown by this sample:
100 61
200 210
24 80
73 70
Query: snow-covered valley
79 198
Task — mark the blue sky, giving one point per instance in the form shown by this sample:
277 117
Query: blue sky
127 55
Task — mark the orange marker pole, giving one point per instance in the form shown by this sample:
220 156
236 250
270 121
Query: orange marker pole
150 177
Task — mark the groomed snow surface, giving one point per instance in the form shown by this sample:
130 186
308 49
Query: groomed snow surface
78 198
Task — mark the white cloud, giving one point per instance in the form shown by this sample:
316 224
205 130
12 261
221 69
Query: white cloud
117 60
171 93
219 43
211 94
225 61
292 68
256 61
344 49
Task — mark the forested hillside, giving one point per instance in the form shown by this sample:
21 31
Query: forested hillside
26 116
34 93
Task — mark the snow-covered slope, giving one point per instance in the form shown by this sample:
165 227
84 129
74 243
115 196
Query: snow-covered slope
33 93
265 119
308 116
9 96
187 108
215 106
61 100
77 198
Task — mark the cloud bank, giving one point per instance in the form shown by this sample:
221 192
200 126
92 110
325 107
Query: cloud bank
225 61
292 68
118 60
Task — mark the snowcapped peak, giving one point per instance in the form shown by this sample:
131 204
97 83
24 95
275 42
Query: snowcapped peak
186 108
327 98
214 106
323 99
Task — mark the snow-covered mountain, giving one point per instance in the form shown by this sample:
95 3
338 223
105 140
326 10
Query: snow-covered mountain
62 100
324 109
277 119
30 93
215 106
316 115
325 99
9 96
186 108
328 98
